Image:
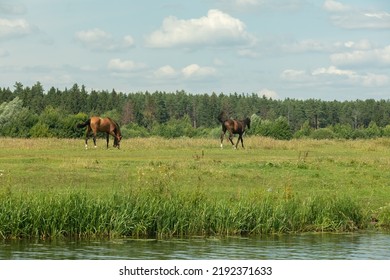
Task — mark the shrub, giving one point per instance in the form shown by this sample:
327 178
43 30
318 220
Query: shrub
343 131
322 133
304 131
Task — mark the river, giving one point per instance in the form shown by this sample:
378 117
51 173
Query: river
352 246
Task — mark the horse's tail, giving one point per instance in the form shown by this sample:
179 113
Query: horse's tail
222 117
80 125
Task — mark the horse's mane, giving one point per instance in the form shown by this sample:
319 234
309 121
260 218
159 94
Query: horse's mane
117 127
222 117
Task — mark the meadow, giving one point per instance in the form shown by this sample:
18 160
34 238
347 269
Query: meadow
161 188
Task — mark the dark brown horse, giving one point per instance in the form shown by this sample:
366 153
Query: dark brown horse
234 127
107 125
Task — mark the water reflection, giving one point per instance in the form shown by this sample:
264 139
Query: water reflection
292 247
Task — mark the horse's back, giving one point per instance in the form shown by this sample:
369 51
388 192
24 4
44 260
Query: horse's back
95 120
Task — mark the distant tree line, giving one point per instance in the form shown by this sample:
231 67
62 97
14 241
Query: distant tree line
34 112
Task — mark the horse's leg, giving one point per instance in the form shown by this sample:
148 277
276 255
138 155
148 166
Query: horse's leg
116 142
238 140
107 138
86 138
94 138
242 141
223 135
231 135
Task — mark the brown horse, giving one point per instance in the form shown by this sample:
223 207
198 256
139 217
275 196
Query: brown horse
234 127
107 125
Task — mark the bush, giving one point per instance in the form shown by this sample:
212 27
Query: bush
343 131
373 130
278 129
281 129
386 131
322 133
304 131
40 130
359 134
133 130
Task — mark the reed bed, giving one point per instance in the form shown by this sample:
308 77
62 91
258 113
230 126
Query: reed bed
162 214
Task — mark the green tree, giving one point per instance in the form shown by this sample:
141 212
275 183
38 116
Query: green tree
15 120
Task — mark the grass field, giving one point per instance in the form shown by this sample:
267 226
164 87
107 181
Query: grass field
183 187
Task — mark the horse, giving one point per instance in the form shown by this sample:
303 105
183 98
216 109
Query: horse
107 125
234 127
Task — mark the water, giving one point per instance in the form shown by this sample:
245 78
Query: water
356 246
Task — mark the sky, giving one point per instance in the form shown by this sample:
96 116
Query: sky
298 49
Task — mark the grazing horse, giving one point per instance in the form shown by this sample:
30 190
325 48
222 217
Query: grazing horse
234 127
107 125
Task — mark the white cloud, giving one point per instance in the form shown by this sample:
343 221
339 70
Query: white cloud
196 71
352 77
189 72
332 70
14 28
165 72
268 93
334 6
99 40
335 76
359 45
118 65
363 57
217 28
294 75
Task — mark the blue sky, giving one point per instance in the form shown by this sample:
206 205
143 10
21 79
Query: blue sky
301 49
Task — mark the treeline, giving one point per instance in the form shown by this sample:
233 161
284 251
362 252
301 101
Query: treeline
33 112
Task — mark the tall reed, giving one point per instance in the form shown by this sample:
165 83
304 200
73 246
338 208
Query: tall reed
163 213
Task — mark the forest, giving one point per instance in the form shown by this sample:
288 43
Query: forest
35 112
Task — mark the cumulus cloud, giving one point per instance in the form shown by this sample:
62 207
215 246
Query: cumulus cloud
334 75
10 28
118 65
189 72
165 72
294 75
334 6
196 71
268 93
217 28
363 57
349 76
99 40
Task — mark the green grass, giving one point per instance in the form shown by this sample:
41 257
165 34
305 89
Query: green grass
184 187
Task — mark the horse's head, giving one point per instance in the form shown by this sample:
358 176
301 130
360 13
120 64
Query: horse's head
117 140
248 122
